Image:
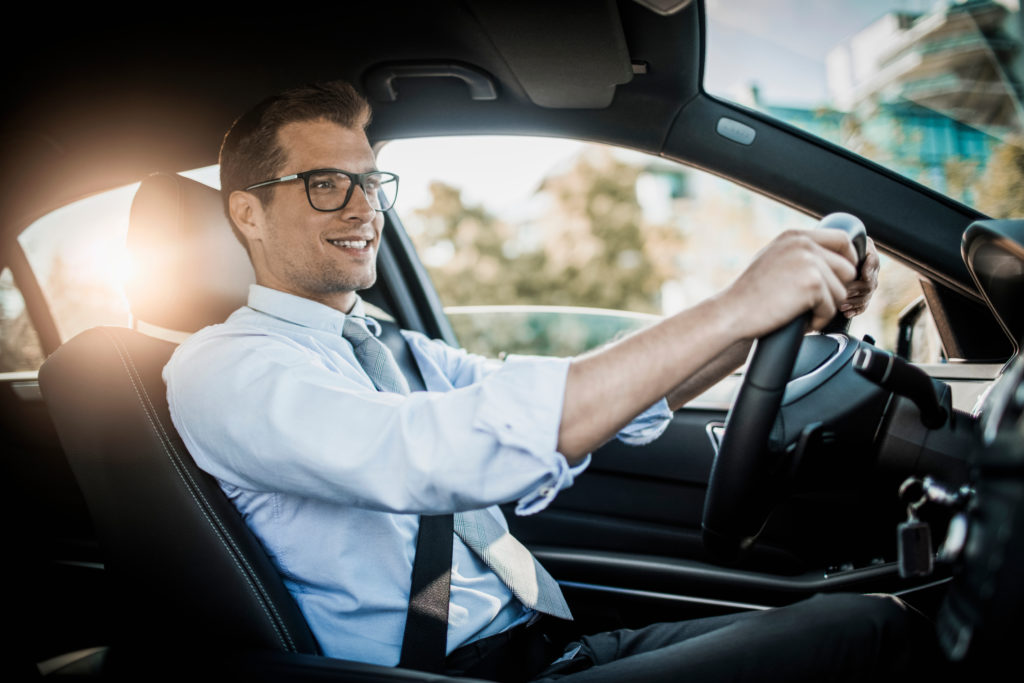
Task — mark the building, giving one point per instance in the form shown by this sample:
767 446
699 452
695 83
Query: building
962 60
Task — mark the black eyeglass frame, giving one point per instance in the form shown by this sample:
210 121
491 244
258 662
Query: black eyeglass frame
354 180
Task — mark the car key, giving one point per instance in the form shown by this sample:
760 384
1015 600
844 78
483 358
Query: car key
914 546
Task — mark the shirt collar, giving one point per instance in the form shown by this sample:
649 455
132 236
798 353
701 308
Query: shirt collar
302 311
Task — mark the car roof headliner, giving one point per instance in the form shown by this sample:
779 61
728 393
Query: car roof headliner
107 104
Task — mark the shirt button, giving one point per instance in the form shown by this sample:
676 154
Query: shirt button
546 491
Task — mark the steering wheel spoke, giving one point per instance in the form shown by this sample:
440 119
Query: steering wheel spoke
738 499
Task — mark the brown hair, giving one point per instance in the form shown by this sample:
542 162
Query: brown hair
250 152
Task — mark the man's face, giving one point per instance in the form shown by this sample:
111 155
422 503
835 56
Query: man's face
321 256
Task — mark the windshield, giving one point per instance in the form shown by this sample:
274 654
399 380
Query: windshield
929 90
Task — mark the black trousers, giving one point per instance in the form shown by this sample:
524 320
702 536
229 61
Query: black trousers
835 637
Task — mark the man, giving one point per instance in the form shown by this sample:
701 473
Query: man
331 461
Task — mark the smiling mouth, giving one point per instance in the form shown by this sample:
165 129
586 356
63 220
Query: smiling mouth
350 244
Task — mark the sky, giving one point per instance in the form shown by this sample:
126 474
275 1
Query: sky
481 165
781 44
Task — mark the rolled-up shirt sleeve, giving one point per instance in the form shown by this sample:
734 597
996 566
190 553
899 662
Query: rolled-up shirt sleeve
444 363
648 425
523 404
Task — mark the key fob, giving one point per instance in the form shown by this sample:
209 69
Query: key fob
914 545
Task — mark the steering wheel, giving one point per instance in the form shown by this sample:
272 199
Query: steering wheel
738 502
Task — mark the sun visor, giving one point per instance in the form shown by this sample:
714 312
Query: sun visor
565 55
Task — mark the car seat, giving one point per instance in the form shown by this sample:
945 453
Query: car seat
189 582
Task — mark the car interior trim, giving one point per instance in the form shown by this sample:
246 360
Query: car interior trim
923 587
151 330
35 299
801 386
401 264
731 129
649 570
675 597
53 665
395 287
563 55
380 80
714 431
97 566
27 390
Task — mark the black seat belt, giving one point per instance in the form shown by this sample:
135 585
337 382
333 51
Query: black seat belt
425 640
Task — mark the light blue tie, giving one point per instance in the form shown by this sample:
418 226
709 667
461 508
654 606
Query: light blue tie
479 529
512 562
374 356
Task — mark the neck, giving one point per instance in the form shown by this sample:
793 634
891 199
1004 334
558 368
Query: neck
340 301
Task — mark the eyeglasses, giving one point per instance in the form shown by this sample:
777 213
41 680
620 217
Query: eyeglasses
330 189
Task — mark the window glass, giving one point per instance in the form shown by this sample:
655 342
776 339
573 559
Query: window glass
19 344
928 89
554 246
79 257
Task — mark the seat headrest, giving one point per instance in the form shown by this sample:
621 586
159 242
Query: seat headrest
190 270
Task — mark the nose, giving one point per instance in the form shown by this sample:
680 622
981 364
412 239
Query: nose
359 207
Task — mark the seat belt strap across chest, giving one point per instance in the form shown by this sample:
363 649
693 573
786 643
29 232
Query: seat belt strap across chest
425 641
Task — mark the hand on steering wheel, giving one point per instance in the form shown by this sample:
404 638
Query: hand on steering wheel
737 502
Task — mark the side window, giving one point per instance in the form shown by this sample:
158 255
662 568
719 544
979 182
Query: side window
20 349
79 258
554 247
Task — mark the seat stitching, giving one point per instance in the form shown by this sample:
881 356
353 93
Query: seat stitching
258 589
194 491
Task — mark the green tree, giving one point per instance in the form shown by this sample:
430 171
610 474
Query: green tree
599 251
465 250
1000 190
591 247
594 250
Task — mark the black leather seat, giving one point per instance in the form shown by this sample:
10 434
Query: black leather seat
188 580
184 567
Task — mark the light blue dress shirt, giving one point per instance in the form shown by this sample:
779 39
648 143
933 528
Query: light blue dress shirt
331 475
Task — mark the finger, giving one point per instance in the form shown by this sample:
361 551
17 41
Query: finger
854 306
836 289
824 308
830 293
843 268
869 269
854 312
836 241
859 292
871 254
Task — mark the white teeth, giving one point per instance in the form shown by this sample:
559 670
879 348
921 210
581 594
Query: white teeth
355 244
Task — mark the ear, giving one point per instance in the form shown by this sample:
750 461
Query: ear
248 215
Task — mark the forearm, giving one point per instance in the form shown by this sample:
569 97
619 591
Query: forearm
719 367
608 388
799 271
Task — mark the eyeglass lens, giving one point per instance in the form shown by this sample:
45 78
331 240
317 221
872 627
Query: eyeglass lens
328 191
